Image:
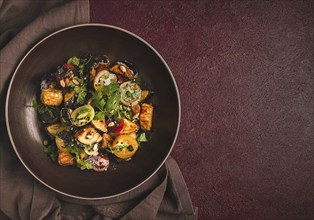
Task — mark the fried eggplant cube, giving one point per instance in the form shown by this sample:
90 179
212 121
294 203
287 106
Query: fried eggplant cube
65 158
146 116
51 97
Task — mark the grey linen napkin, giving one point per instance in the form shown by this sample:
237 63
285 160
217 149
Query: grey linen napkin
163 196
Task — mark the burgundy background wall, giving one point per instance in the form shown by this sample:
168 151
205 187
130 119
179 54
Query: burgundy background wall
245 74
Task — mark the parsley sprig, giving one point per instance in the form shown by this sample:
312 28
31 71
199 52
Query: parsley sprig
106 101
75 149
117 148
99 105
52 151
80 89
43 108
81 92
142 138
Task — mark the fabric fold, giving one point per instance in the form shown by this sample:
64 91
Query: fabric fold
19 198
148 207
163 196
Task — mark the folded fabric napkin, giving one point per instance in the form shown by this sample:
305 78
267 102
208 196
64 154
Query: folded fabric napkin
163 196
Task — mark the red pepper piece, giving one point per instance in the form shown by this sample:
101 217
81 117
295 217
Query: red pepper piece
57 77
120 126
68 66
120 79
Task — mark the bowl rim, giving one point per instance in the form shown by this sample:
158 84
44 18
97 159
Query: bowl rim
55 33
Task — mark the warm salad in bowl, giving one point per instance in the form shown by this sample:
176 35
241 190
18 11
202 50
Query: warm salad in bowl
93 112
89 111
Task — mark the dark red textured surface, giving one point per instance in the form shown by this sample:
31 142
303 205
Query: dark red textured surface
245 74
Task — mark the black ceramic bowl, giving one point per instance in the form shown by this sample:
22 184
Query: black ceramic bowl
27 133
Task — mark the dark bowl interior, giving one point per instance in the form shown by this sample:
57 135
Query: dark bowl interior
27 133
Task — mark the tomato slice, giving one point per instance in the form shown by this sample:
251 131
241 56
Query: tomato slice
124 146
69 66
120 126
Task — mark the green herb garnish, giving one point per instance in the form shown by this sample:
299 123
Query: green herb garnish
75 149
118 148
99 104
81 92
142 137
51 151
74 61
43 108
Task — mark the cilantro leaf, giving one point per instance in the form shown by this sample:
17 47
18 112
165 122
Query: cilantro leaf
117 148
113 102
99 115
98 101
111 88
51 151
111 95
74 61
142 137
81 97
84 164
42 109
81 92
81 69
79 80
75 149
125 112
34 104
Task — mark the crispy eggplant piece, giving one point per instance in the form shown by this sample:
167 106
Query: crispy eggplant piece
146 117
106 140
100 125
103 63
65 116
65 158
128 127
133 135
92 74
60 144
136 109
69 99
145 94
55 128
51 97
88 136
124 69
48 81
65 74
66 136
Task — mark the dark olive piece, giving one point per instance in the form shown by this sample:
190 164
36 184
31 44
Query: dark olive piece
65 116
130 148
